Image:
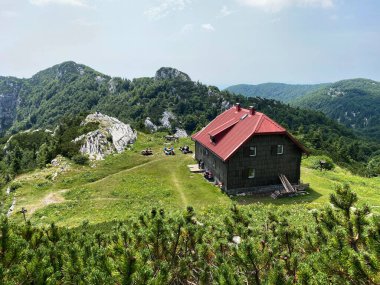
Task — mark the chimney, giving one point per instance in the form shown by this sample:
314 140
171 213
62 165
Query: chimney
238 108
252 110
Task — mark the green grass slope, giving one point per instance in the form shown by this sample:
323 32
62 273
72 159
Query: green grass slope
322 184
277 91
128 184
116 188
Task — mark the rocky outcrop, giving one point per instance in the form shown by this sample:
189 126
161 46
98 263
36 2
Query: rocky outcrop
112 136
149 125
180 133
166 117
165 73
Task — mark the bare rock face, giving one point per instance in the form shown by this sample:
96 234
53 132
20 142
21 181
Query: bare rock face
165 73
180 133
165 120
112 136
149 125
166 117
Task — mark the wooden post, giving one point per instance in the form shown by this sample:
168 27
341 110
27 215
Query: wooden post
24 211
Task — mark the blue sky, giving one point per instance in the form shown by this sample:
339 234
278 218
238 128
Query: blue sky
221 42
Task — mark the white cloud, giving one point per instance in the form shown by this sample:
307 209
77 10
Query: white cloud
8 14
165 7
80 3
83 22
224 12
277 5
187 28
208 27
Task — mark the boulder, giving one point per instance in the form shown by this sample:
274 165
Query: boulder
180 133
112 136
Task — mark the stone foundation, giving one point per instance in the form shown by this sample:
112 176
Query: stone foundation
259 191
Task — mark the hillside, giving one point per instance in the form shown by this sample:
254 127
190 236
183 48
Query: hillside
134 219
127 184
278 91
169 102
70 89
354 103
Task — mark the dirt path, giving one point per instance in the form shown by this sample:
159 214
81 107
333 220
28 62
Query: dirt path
51 198
124 171
179 189
56 197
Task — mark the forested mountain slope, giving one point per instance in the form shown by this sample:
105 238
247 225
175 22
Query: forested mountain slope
278 91
69 89
354 103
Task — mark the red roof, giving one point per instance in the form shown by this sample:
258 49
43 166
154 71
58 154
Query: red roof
231 129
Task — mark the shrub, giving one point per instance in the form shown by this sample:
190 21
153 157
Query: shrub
80 159
314 162
14 186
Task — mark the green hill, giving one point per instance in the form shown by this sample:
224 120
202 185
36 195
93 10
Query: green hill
278 91
354 103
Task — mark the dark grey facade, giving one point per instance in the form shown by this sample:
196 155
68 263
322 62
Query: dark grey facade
257 163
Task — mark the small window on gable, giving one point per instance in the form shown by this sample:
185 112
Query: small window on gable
252 151
280 149
206 151
251 173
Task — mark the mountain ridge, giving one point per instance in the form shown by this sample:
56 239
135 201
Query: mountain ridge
58 95
272 90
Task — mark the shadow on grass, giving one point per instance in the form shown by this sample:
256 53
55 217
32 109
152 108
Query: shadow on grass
301 199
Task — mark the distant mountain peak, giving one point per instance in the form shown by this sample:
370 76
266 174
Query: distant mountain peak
165 73
64 71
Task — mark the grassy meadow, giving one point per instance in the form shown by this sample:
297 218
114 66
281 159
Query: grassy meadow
129 184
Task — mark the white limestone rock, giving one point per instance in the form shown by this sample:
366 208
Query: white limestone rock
180 133
112 136
236 240
12 207
149 125
166 117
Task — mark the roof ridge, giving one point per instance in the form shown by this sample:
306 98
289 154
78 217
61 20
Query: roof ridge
273 122
209 123
259 122
224 125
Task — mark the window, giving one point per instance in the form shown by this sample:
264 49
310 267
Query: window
252 151
280 149
251 173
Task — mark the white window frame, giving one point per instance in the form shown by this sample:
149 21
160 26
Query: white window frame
280 149
251 173
252 148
